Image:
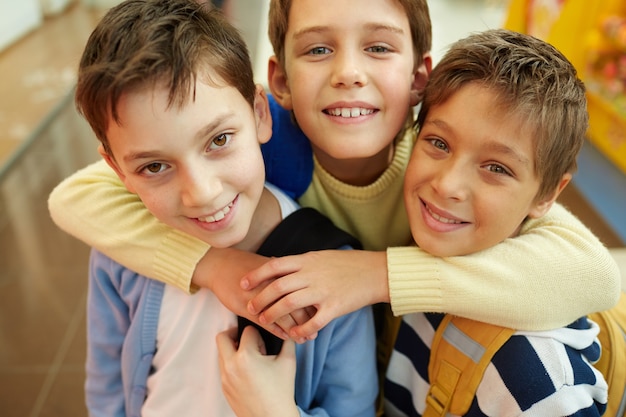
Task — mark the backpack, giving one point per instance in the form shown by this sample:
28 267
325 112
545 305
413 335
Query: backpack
462 349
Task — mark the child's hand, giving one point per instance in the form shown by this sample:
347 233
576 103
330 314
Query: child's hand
221 269
335 282
255 384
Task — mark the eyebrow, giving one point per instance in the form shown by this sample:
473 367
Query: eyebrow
372 27
507 150
200 134
214 125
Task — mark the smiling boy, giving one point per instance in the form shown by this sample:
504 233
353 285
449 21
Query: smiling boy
497 107
173 178
472 178
167 87
350 82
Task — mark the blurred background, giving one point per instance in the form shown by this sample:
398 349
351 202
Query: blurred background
42 140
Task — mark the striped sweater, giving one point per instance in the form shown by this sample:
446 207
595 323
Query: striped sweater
546 373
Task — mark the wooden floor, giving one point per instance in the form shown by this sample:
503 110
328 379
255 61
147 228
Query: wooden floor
42 270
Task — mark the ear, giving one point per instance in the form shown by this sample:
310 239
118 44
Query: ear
542 206
113 164
420 78
262 115
278 83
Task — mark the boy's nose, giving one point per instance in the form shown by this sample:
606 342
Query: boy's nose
452 183
348 71
199 188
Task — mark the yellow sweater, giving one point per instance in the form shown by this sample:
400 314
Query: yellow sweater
375 213
553 273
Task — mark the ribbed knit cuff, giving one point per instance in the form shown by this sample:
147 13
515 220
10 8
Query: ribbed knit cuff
176 260
414 284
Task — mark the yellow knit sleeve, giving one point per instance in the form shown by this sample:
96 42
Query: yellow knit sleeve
94 206
554 272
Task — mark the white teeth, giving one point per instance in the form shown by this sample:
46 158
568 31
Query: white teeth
217 216
350 111
442 219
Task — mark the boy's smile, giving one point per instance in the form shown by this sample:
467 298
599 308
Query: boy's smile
349 112
439 219
197 168
219 215
349 73
470 182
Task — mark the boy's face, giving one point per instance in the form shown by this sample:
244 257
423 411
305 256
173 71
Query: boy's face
350 74
197 168
470 182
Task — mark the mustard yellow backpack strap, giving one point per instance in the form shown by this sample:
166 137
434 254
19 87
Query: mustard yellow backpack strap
612 362
459 355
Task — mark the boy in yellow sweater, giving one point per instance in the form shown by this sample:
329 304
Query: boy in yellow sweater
350 73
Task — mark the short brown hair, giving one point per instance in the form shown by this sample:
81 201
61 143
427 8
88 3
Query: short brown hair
142 43
416 11
533 80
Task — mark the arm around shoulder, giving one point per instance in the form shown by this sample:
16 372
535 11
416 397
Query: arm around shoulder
554 272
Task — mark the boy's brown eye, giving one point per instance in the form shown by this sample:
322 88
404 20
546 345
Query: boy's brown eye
154 167
220 140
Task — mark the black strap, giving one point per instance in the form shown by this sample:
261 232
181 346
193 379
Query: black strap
302 231
305 230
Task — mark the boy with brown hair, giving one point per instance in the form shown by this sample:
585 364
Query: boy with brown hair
503 119
167 87
350 73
